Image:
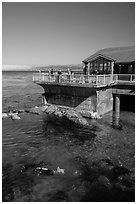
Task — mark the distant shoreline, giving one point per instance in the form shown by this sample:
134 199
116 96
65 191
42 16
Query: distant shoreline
19 70
72 67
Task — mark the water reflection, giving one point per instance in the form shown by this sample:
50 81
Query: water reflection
78 150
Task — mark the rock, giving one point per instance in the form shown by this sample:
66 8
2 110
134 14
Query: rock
10 113
15 111
77 173
86 114
103 180
38 110
107 163
94 115
21 111
82 121
120 170
126 180
27 111
59 114
71 114
42 169
15 116
5 115
119 187
59 171
51 109
44 108
34 110
90 114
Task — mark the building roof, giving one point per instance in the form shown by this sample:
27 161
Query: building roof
117 54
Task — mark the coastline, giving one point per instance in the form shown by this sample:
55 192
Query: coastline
82 151
106 161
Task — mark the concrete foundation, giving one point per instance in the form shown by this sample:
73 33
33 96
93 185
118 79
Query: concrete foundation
104 101
88 98
82 98
116 110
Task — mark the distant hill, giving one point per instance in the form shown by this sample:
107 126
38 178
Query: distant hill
72 67
78 67
15 67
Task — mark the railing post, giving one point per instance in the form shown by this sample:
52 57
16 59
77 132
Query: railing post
104 79
131 77
88 68
97 79
59 78
82 79
111 78
42 76
116 77
116 112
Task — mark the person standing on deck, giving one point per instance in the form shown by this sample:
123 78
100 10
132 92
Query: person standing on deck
51 71
69 73
58 76
51 74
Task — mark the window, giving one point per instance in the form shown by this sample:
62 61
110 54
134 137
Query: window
130 69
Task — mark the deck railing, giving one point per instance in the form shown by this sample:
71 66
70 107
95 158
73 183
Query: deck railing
99 80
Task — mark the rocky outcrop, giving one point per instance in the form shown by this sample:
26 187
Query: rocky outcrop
90 114
71 114
42 169
78 117
5 115
13 116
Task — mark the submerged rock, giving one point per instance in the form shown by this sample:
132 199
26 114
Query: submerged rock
59 171
21 111
51 109
70 114
42 169
104 180
90 114
95 115
15 116
5 115
43 108
85 114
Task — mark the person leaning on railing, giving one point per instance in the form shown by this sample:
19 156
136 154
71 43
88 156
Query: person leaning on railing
51 73
68 76
58 75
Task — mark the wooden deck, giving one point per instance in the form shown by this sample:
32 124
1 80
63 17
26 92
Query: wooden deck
84 80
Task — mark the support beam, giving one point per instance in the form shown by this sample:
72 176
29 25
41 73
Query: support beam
88 68
112 70
116 111
44 101
84 68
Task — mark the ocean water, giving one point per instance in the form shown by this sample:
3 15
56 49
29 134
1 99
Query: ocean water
59 143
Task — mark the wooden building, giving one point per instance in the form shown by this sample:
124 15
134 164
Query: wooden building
118 60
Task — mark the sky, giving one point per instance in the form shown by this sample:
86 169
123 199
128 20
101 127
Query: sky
51 33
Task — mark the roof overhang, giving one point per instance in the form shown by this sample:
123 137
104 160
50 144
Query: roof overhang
90 59
120 62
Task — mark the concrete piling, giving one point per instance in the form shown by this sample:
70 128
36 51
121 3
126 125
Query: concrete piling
116 111
44 101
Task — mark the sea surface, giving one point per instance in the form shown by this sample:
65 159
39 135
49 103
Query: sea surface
59 143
